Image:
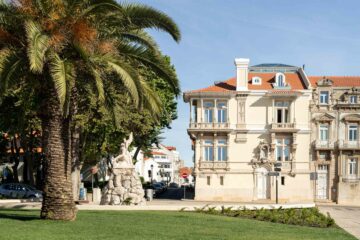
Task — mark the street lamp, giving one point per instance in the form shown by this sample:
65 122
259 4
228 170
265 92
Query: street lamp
152 172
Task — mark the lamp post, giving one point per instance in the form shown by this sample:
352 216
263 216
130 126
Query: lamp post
152 172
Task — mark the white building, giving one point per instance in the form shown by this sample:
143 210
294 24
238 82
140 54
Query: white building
162 165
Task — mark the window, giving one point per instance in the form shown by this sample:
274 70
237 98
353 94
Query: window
221 112
353 166
222 150
280 80
283 180
353 133
324 155
256 81
282 150
282 112
324 132
209 150
209 112
324 97
208 180
353 99
221 180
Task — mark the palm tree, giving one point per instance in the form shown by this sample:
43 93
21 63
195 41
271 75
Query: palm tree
55 46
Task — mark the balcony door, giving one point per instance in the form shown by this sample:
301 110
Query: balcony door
282 112
322 182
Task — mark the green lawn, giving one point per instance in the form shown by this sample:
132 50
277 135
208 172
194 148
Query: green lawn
104 225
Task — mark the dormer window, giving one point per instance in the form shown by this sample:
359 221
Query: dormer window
256 81
280 80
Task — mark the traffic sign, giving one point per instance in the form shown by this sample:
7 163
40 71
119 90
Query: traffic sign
184 175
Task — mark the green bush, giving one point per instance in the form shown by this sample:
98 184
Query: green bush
295 216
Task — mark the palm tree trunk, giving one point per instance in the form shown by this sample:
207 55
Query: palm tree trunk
58 202
76 163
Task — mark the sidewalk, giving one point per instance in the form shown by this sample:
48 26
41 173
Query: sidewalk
162 205
347 217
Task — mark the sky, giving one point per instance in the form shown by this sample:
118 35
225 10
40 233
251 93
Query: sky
323 35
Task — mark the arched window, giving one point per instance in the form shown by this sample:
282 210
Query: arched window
280 80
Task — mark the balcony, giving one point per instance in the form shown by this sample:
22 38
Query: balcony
319 144
345 144
214 165
214 126
351 178
283 127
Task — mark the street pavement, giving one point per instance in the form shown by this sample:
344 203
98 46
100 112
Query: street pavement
346 217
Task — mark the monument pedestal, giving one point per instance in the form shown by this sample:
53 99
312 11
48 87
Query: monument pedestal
124 188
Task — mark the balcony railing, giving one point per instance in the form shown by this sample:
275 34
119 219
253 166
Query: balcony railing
283 126
209 126
320 144
345 144
213 165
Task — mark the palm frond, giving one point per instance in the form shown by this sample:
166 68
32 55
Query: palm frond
99 84
153 61
9 67
151 100
141 17
140 37
38 44
129 79
63 75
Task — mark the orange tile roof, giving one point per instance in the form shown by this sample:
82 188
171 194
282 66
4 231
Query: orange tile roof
171 148
267 79
157 153
339 81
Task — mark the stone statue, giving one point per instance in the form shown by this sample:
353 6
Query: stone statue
263 151
124 186
124 159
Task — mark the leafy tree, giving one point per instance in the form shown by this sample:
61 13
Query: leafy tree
57 47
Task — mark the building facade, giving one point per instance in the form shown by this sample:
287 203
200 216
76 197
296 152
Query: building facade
268 118
162 165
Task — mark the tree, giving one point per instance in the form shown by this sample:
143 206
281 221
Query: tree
57 46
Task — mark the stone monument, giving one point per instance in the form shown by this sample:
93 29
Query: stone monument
124 186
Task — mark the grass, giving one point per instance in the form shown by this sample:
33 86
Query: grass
23 224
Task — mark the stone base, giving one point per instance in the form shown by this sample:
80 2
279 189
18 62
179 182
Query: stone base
124 188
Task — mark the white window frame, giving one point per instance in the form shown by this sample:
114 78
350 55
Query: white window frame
353 167
222 151
208 111
222 112
353 133
353 99
324 128
209 150
280 80
283 145
324 97
284 107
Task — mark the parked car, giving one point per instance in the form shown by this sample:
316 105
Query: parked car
157 188
173 185
20 190
164 186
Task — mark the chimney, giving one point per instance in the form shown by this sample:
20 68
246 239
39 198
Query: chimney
242 69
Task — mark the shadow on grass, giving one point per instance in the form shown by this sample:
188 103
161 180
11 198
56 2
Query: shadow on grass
20 215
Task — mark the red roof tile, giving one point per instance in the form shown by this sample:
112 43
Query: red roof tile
157 153
339 81
267 79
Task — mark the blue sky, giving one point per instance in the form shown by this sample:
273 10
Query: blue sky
323 35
